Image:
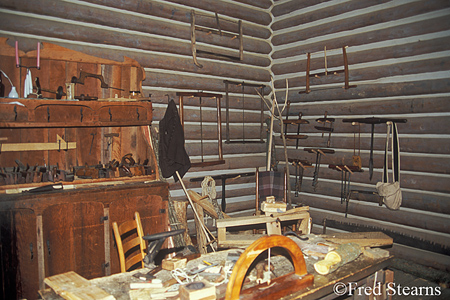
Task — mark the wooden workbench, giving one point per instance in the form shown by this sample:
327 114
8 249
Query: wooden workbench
356 271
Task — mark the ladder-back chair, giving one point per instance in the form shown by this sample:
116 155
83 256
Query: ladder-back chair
130 244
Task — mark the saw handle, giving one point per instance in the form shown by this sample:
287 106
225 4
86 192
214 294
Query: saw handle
83 76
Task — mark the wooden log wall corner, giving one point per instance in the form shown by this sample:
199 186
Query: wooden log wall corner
397 57
399 65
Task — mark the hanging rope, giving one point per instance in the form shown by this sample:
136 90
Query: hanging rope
209 189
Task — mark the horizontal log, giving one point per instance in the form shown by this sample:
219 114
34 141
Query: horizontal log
439 124
168 62
257 3
193 132
290 6
88 34
395 32
251 161
192 114
230 192
194 149
235 117
319 14
378 106
414 163
372 73
408 218
160 10
364 91
251 106
422 235
239 148
411 199
416 145
98 15
229 9
229 182
365 56
369 18
195 83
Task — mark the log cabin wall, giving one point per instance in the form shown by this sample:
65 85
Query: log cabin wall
157 34
398 56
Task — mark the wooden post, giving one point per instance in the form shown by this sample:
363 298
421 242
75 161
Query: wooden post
40 249
219 128
107 236
199 224
180 211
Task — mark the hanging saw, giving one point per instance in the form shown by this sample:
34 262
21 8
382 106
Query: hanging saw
84 75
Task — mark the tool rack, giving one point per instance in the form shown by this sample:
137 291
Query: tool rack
66 226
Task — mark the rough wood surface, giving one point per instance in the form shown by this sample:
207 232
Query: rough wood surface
180 211
363 239
72 286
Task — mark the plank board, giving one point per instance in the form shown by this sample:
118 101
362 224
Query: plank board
364 239
72 286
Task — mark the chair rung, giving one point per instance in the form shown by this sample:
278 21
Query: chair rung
131 261
131 244
127 226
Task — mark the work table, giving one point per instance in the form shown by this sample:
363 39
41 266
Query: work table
357 271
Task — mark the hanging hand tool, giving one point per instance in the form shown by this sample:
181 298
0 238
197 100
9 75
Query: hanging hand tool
328 126
103 84
319 152
92 142
373 121
346 172
110 139
297 122
357 158
59 92
300 166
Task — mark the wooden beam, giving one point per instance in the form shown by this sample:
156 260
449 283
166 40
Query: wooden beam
60 144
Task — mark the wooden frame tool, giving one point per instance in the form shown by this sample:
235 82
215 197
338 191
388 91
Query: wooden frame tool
373 121
218 31
297 122
242 84
319 152
344 70
280 286
327 126
301 165
218 97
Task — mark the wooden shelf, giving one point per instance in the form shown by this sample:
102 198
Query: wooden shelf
43 113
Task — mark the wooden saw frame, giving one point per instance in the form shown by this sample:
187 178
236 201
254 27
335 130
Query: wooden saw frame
242 84
217 97
218 31
280 286
327 72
